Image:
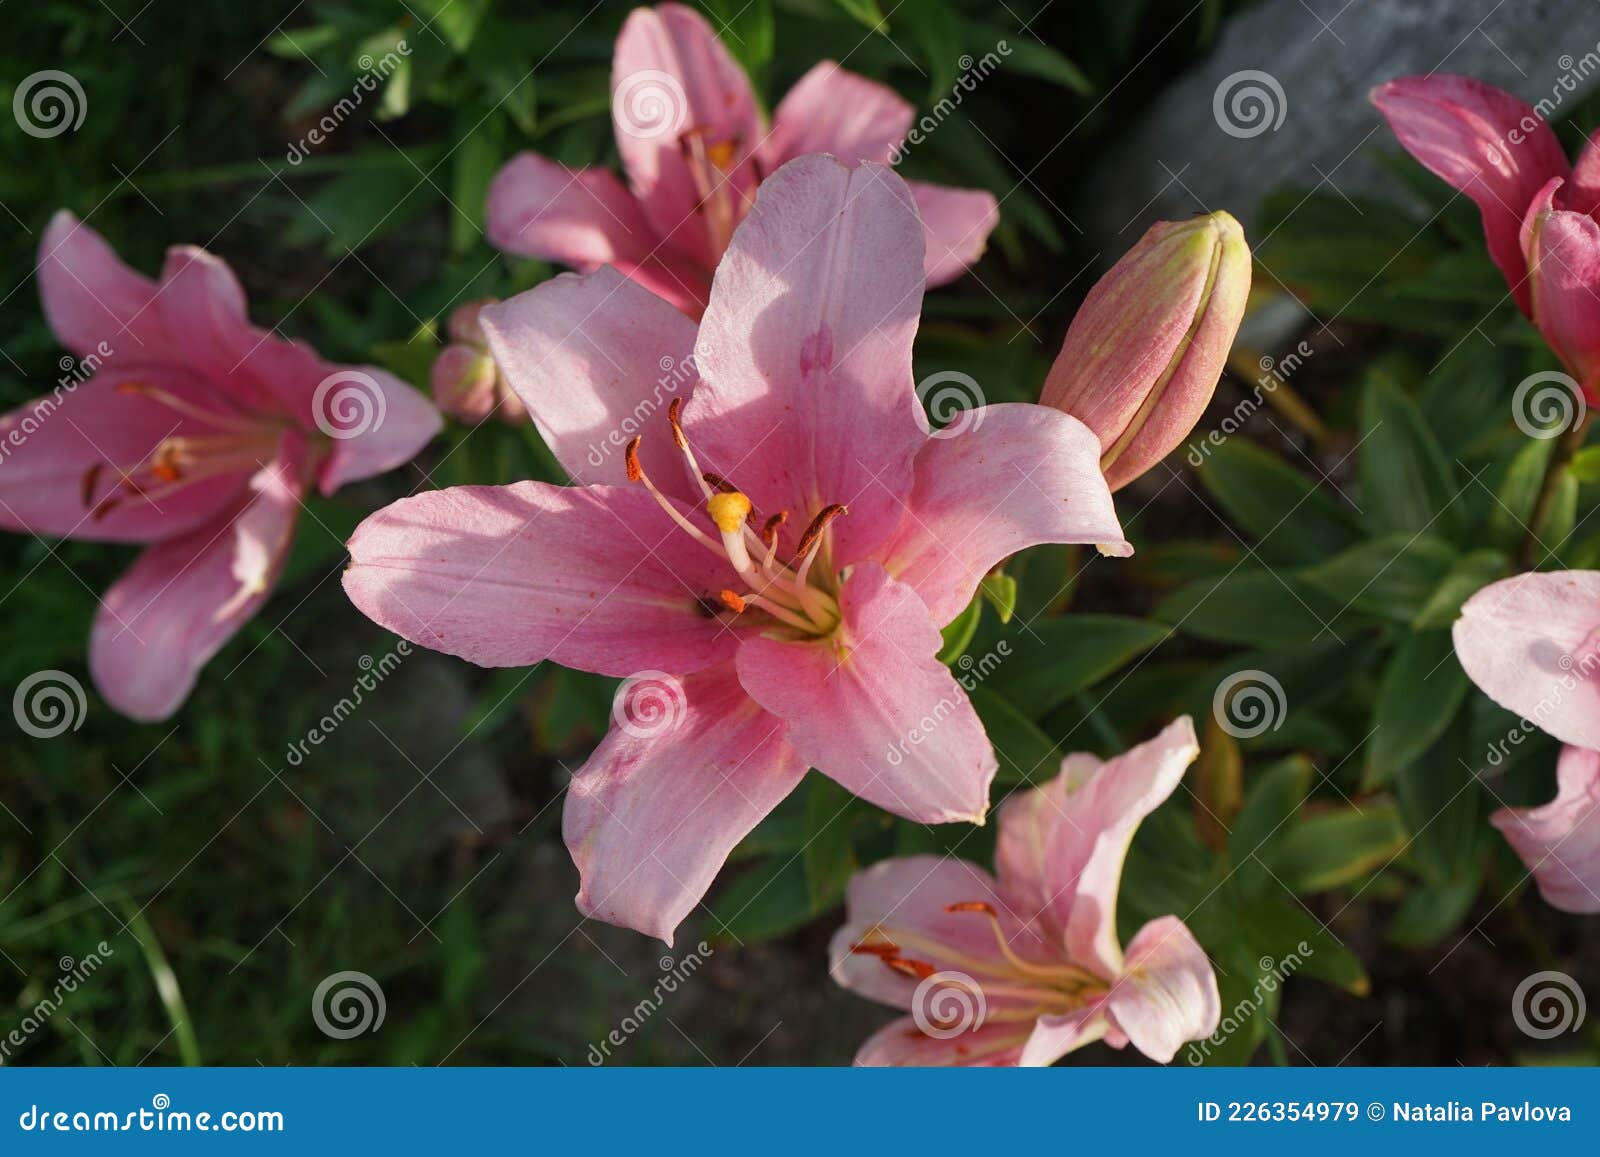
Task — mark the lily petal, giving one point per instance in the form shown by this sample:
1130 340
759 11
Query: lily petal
957 224
585 218
1057 1035
598 360
185 597
1530 643
1564 272
1016 476
673 85
1091 840
596 578
874 709
1560 841
806 395
1487 143
901 1043
383 423
1167 994
91 297
833 110
653 814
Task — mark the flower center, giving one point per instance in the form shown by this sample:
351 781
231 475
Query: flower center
1039 988
242 443
792 593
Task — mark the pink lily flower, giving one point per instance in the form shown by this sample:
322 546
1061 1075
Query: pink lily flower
1027 967
466 383
196 433
695 146
1539 210
769 547
1532 644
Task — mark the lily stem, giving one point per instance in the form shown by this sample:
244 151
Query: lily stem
1554 471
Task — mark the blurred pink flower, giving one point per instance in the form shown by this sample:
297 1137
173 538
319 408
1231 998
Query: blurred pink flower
695 147
1538 209
1024 968
769 628
1532 644
196 433
466 383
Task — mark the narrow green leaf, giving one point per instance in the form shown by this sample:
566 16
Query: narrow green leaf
1338 846
1057 658
1292 518
1406 481
1254 607
1391 576
1273 796
829 855
1000 589
1471 573
1422 689
1025 753
958 633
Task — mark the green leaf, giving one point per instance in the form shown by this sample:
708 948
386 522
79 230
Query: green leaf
1271 800
1025 753
1432 911
1517 494
1406 481
476 161
772 898
867 12
1254 607
747 28
938 31
1057 658
1285 511
1030 57
1392 576
1441 801
1296 944
456 21
1585 466
958 633
1422 689
1471 573
1000 590
1338 846
829 855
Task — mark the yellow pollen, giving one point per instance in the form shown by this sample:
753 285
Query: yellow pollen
728 510
720 154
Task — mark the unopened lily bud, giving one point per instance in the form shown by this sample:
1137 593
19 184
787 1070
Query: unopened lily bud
466 382
1142 357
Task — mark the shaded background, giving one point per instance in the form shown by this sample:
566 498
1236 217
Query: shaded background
420 844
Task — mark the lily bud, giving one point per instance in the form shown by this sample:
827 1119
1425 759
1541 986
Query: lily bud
1142 357
466 382
1563 251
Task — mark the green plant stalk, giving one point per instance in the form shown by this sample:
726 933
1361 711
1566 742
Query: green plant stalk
1560 459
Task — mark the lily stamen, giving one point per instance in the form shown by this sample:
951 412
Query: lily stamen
1055 974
